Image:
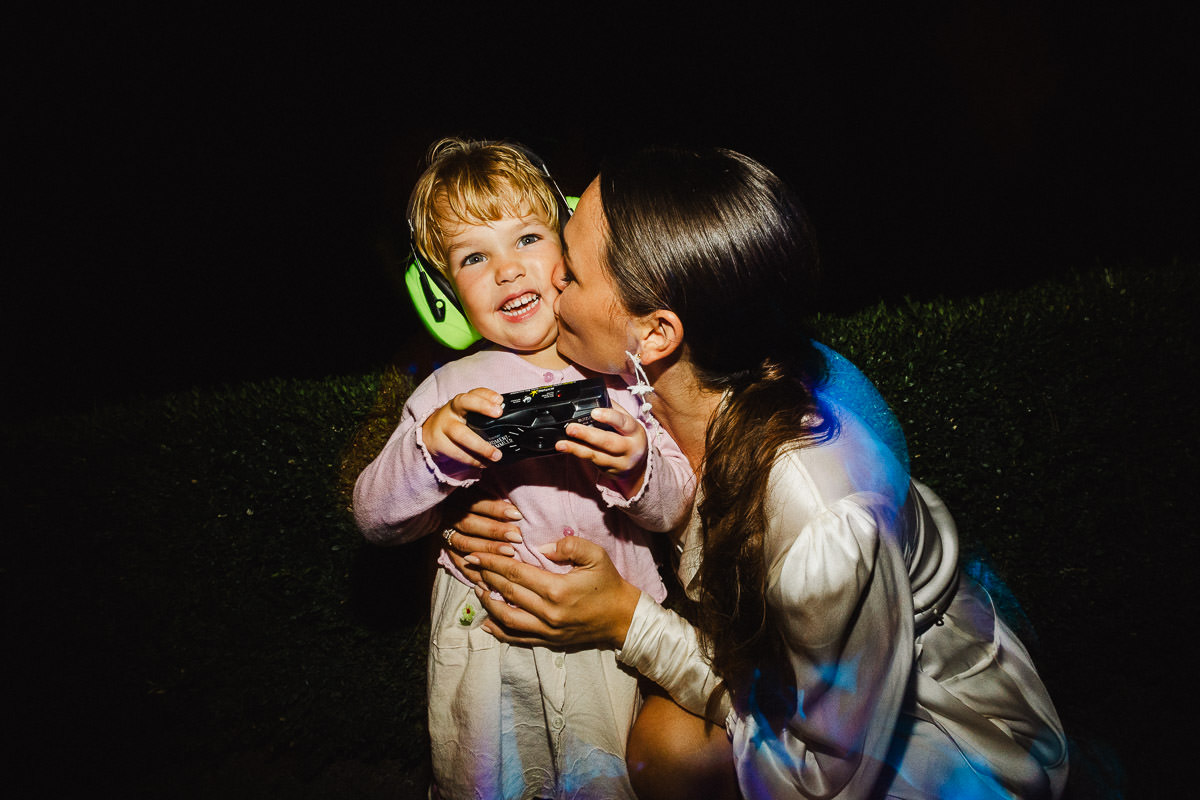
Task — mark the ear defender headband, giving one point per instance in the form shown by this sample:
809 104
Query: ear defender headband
432 295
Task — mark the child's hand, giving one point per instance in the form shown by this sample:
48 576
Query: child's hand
620 452
447 435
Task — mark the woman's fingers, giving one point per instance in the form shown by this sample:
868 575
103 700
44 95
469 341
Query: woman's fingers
495 509
519 583
486 519
478 544
485 526
504 622
469 545
575 550
465 568
509 619
492 519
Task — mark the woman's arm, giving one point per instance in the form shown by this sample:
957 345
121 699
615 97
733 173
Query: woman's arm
840 596
593 606
665 648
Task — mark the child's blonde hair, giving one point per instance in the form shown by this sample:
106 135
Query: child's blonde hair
476 182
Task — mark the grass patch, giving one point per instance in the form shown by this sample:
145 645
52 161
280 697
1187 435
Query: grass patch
186 585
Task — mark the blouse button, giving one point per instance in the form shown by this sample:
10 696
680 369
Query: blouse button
568 531
547 376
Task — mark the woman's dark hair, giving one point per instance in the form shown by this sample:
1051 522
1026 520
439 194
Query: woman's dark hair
721 241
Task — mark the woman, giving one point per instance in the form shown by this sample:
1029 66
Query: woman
833 637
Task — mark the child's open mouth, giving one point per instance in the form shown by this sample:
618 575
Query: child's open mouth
520 308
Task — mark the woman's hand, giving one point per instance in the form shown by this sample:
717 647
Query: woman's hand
620 452
592 605
479 526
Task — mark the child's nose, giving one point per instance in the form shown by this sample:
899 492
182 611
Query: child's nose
509 269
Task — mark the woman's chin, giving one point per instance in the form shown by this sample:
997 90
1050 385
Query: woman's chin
565 350
580 359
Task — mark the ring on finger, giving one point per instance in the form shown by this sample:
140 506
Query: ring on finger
446 534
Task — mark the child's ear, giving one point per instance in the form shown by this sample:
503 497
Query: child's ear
662 335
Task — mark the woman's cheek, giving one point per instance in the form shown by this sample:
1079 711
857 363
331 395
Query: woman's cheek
563 307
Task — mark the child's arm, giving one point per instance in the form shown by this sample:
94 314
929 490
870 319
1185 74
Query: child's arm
650 480
619 453
430 454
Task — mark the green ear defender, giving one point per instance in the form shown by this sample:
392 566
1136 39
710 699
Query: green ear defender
438 307
434 299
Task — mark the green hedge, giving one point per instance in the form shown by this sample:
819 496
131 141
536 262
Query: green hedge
186 584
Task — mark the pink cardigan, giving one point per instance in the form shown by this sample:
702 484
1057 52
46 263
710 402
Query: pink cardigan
397 495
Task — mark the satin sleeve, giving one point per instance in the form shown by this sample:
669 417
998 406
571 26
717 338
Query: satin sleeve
665 648
839 593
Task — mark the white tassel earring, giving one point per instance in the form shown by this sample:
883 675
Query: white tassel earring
641 387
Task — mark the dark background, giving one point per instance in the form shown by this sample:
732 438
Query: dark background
200 195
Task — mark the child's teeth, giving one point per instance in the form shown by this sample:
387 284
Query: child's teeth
519 302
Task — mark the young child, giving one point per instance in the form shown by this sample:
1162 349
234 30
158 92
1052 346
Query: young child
507 721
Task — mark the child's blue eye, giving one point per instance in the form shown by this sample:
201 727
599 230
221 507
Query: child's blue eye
474 258
528 238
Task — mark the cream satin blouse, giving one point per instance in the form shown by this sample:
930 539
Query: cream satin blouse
906 680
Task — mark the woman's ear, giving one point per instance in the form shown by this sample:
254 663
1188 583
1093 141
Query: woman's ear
662 335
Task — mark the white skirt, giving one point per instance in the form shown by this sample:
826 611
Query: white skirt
508 721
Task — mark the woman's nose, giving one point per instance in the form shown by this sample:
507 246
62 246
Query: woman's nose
558 278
